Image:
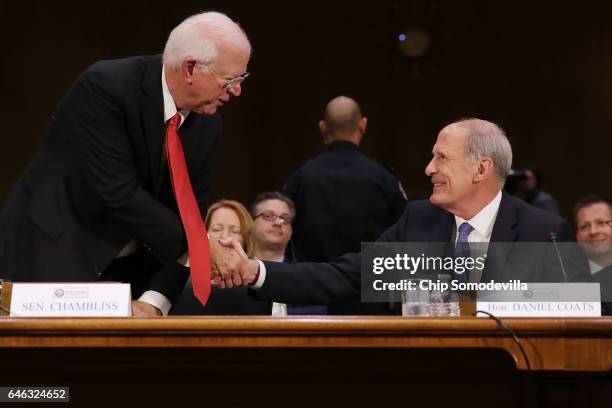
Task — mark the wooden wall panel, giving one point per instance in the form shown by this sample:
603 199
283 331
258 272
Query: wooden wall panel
540 69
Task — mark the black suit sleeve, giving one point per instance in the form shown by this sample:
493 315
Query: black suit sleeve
169 280
108 163
313 283
321 283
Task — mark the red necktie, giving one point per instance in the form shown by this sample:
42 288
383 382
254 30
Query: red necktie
197 239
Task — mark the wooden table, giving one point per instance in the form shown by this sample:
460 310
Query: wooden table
312 361
578 344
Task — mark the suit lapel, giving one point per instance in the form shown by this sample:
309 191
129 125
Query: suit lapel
504 229
441 236
153 119
504 232
442 230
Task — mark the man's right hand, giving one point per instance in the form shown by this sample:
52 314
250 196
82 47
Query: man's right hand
230 264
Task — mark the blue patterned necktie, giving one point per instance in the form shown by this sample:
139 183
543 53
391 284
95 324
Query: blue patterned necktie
462 250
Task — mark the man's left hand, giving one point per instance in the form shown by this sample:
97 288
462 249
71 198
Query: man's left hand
143 309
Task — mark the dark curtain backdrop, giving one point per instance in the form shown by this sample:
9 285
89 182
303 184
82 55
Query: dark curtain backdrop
542 70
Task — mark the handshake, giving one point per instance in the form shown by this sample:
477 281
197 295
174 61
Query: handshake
230 265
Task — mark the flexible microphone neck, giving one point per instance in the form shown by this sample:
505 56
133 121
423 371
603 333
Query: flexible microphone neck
552 237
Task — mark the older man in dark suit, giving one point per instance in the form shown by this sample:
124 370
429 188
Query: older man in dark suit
96 203
471 159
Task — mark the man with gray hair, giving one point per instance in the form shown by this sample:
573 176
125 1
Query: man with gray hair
471 159
97 202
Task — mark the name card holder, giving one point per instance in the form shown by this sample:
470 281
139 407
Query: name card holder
544 300
102 299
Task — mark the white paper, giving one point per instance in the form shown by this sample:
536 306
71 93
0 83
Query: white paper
71 300
578 299
540 309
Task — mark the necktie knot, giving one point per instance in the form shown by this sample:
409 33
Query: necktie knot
464 232
175 120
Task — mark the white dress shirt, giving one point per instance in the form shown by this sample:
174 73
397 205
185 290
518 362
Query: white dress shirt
482 224
594 267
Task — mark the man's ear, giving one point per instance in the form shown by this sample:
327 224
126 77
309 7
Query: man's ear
323 130
188 68
363 125
322 126
485 169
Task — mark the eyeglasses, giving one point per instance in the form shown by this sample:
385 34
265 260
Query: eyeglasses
229 83
271 217
599 224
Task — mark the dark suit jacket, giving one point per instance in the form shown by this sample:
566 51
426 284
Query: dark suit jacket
235 301
604 278
516 221
98 181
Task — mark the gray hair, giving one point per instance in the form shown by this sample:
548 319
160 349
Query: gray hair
486 139
198 37
273 195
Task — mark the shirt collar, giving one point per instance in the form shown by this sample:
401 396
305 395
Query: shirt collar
169 105
485 219
594 267
279 259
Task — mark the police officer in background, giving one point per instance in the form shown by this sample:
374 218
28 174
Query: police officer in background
342 197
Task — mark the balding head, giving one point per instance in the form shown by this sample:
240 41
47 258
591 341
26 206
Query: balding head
343 121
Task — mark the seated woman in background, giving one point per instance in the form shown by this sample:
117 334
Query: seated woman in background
225 218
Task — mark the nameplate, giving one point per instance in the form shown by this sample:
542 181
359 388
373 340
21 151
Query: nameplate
71 300
543 300
540 309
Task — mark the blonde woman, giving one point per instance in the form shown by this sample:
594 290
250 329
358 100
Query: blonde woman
225 218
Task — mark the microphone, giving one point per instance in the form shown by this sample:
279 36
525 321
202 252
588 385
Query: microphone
552 237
